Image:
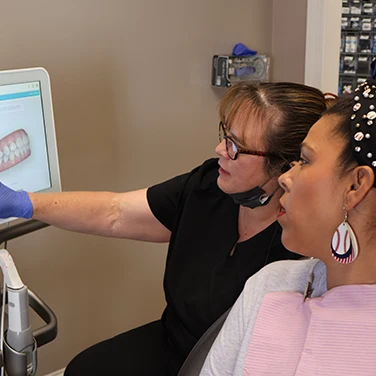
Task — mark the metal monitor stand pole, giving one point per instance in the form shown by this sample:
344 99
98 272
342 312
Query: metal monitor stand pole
20 343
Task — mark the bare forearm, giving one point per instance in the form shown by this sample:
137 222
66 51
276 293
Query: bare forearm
121 215
88 212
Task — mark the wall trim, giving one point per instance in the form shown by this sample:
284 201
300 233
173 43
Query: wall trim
314 46
323 44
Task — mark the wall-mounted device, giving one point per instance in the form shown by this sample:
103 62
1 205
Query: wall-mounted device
228 69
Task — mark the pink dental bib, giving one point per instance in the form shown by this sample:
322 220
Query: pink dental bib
334 334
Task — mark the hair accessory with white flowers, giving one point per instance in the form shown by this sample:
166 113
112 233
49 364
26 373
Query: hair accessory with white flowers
363 124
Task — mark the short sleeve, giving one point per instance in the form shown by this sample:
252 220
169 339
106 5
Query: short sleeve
163 199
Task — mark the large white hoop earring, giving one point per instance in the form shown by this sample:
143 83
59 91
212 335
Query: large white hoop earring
344 244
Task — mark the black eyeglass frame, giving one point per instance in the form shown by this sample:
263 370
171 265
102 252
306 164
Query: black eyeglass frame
223 136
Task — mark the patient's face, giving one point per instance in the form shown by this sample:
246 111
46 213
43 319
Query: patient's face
314 193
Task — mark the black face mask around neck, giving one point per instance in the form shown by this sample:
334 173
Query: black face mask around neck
254 197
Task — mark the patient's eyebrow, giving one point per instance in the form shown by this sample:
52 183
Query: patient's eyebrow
307 146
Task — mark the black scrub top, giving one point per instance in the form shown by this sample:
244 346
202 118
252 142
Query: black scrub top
202 280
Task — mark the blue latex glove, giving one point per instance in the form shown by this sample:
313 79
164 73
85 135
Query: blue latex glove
14 204
241 50
245 71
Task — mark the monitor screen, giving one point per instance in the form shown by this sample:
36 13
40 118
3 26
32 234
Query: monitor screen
28 153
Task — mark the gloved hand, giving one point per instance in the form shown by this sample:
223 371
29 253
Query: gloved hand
14 204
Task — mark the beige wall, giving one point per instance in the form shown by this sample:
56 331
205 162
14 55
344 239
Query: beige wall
133 106
289 39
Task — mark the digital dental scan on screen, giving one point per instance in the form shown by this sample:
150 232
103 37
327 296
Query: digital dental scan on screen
28 152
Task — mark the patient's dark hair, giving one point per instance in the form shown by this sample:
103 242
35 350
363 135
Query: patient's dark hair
341 113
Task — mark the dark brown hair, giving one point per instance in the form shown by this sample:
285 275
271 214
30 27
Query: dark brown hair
285 110
342 111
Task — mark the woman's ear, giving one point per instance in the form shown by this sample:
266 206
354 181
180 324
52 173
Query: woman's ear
362 179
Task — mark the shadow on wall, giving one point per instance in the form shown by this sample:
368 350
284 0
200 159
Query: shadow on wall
86 126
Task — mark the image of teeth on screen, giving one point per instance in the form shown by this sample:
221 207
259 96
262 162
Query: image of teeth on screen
14 148
23 151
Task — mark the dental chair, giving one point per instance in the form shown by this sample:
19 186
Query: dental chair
196 358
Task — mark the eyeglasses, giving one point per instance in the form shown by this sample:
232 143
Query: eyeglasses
232 150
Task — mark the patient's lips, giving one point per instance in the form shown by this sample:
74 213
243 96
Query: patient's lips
282 211
14 148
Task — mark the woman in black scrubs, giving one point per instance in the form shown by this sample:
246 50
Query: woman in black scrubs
219 220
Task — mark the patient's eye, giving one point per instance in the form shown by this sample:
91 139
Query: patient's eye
293 163
302 161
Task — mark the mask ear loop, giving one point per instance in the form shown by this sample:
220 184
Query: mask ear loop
264 199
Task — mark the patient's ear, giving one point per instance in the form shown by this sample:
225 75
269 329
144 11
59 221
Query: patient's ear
362 178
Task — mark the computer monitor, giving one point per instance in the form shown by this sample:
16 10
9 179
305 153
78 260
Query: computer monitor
28 151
